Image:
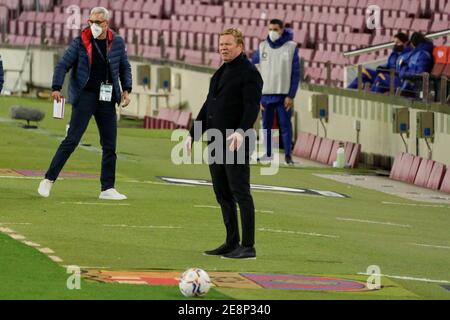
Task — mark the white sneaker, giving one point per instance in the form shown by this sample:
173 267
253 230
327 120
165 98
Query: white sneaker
44 188
112 194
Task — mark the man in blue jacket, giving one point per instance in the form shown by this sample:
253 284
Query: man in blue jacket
99 60
418 61
379 79
2 79
279 64
382 82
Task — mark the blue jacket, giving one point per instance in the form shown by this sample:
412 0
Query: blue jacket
2 79
419 60
394 58
79 57
295 76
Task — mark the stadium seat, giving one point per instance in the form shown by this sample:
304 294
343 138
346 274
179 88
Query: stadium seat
333 152
441 56
405 167
325 150
436 176
184 120
446 71
424 172
300 144
316 148
413 170
165 119
354 157
396 166
445 185
348 148
306 153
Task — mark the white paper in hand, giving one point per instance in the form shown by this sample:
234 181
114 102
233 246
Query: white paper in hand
58 108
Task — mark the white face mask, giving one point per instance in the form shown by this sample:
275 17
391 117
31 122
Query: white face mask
96 30
274 36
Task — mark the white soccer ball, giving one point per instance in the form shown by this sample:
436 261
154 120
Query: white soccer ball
194 282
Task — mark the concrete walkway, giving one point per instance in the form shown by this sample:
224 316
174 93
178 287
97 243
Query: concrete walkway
396 188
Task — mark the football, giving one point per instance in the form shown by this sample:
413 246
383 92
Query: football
194 282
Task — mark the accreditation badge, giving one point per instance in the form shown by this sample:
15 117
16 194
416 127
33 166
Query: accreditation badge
106 90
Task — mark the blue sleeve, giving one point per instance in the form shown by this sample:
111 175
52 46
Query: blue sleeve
295 75
67 61
424 64
2 79
126 78
255 57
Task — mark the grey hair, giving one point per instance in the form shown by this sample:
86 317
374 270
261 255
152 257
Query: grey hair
101 10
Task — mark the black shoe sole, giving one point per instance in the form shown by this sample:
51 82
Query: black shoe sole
211 255
249 258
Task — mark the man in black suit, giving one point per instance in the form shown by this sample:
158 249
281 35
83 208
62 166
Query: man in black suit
232 108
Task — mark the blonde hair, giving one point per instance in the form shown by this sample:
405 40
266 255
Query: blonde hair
236 33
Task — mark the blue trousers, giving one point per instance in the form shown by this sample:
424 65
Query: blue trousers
285 125
106 119
382 86
365 79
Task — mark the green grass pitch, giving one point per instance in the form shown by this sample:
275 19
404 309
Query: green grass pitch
83 234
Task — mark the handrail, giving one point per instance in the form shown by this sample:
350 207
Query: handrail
387 45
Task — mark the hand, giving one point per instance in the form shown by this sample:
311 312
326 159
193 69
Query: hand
188 145
56 95
236 141
261 107
125 99
288 103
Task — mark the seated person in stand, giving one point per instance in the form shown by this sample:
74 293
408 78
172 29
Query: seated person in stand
369 75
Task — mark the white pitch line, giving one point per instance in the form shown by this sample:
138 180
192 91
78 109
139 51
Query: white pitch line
21 177
143 227
31 244
97 204
415 204
87 267
46 250
131 282
16 236
313 234
403 277
15 223
374 222
55 258
429 246
160 183
216 207
6 230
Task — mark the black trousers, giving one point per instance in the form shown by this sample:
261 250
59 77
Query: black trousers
231 184
106 118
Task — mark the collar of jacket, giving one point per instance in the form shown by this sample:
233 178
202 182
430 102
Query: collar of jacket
287 36
235 61
86 38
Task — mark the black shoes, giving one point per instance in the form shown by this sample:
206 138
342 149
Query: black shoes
241 253
265 159
288 160
223 249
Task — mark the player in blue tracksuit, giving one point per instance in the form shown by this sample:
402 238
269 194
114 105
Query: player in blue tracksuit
377 76
279 64
418 61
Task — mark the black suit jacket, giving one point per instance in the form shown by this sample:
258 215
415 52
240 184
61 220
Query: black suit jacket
233 100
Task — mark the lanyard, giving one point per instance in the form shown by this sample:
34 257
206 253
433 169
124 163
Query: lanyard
102 57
